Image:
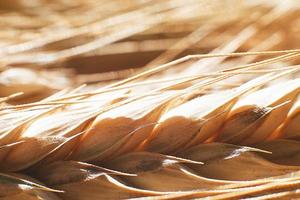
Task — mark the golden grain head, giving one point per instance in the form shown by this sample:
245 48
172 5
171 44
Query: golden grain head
149 99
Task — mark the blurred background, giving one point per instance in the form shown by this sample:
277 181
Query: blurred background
50 45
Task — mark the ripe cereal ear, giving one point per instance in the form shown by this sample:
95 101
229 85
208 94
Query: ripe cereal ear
144 100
